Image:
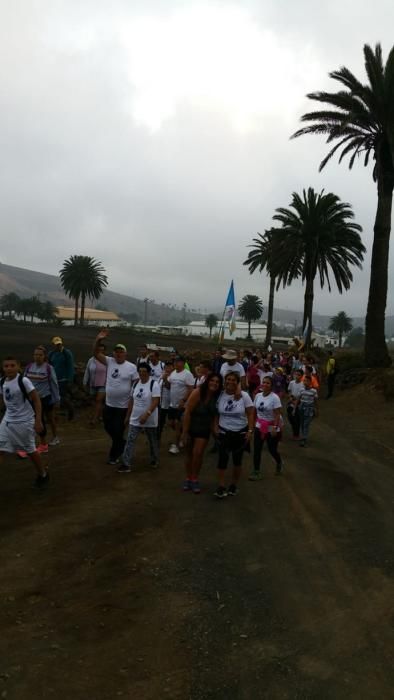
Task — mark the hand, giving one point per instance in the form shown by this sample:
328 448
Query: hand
104 333
144 418
248 436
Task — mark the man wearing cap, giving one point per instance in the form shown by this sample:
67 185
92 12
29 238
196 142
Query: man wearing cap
231 364
181 384
121 375
62 361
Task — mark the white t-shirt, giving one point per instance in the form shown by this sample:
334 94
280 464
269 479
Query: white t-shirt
262 373
156 371
179 383
120 377
295 388
236 367
142 398
18 407
232 412
265 405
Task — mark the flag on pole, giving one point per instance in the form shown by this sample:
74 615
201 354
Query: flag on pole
229 311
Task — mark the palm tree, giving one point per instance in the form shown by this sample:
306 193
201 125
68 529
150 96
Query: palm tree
211 322
317 234
360 118
260 258
250 309
341 323
82 276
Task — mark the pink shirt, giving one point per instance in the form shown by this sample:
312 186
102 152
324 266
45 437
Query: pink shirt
100 374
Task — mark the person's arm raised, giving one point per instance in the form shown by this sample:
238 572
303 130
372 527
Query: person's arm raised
102 335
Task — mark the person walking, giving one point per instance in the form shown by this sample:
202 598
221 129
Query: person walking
181 384
95 379
43 377
295 387
331 371
62 360
120 377
234 426
142 416
197 426
308 407
22 418
268 408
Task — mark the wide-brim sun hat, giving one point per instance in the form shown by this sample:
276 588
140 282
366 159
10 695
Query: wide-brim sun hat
230 355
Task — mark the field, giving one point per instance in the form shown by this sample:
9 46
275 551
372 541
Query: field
123 586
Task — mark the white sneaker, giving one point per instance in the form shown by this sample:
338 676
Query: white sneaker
54 442
174 450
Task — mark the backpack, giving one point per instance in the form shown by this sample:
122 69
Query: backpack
21 387
152 381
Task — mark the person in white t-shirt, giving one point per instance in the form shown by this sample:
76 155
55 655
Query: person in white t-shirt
142 416
120 377
295 388
268 408
231 364
22 417
181 384
156 365
233 428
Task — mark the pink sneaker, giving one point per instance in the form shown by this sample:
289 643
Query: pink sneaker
42 449
22 454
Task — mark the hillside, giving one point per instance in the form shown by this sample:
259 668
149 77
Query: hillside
28 282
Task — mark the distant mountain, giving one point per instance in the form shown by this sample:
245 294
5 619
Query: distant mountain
26 283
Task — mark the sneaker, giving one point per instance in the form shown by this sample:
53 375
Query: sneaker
174 450
255 475
124 469
220 492
302 443
54 442
153 463
112 461
21 454
42 449
196 488
232 490
41 481
187 485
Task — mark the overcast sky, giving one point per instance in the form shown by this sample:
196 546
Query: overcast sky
154 135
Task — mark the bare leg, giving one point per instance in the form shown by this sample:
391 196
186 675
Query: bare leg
35 457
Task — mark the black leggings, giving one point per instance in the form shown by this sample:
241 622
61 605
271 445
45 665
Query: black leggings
46 410
113 419
272 444
293 415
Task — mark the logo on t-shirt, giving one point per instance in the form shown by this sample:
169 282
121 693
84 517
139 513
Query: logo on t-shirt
229 406
140 393
260 407
115 373
8 394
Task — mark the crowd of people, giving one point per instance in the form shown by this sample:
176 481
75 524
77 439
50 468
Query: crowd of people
237 400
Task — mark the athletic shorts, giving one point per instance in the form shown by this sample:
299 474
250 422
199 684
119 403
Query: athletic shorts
202 434
17 436
175 413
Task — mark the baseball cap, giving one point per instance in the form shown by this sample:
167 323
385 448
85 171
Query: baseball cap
120 346
56 340
179 358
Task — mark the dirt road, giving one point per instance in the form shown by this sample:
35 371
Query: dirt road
123 586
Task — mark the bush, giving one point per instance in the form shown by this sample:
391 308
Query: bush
349 359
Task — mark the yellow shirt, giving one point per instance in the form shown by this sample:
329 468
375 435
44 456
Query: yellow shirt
330 366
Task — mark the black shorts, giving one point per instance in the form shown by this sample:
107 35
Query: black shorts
202 434
175 413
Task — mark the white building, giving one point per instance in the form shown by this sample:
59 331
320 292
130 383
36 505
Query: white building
258 330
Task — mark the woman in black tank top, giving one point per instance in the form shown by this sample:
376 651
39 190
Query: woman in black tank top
197 425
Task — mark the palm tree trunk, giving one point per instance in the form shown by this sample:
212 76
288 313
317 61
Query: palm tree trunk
308 310
270 318
82 318
76 310
376 353
340 339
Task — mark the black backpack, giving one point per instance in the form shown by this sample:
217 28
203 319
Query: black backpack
21 387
